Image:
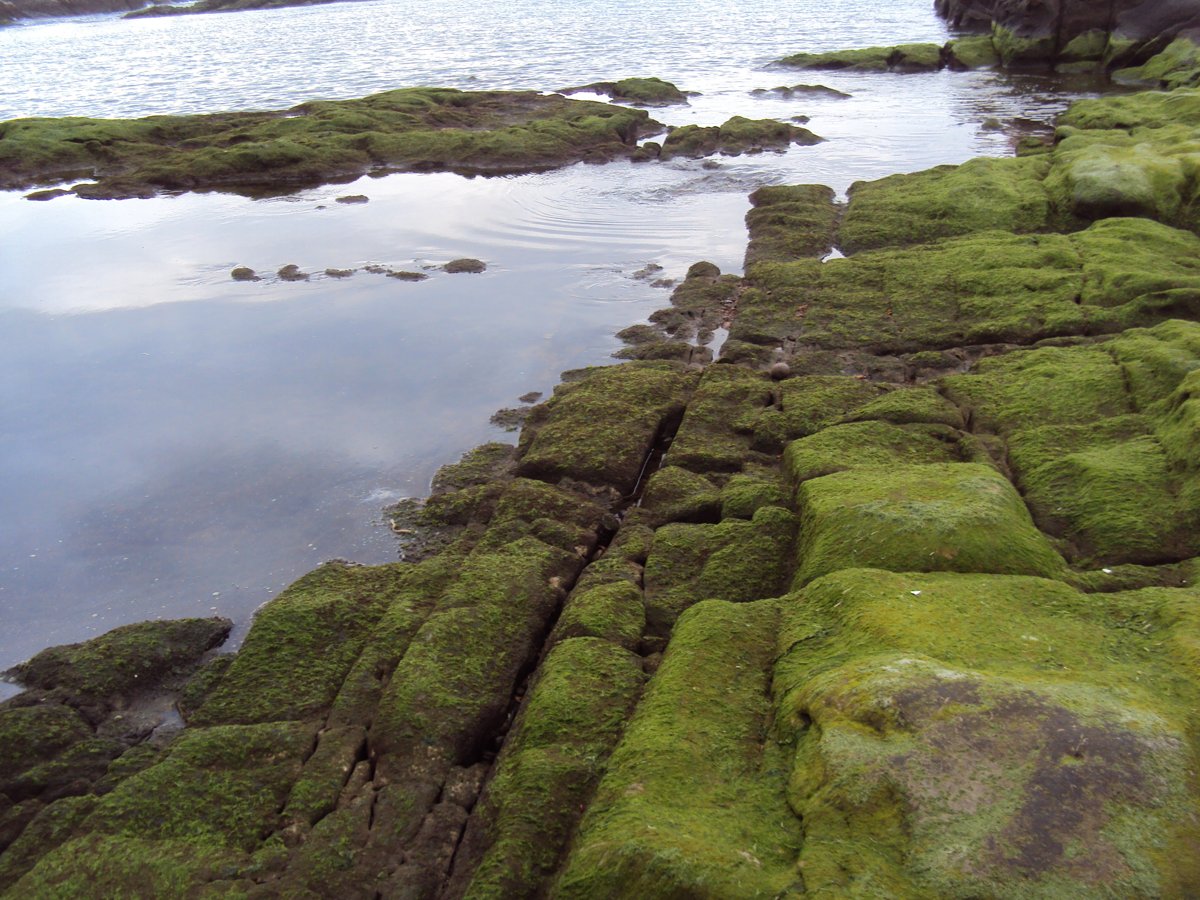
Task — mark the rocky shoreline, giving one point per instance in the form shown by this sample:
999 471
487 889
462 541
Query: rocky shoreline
895 598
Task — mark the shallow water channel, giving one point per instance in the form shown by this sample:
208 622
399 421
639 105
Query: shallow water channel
175 443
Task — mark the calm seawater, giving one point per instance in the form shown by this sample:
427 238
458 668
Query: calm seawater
173 443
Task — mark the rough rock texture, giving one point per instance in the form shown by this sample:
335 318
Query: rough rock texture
896 598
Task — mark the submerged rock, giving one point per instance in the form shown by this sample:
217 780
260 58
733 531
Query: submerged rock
902 58
291 272
738 135
638 91
465 264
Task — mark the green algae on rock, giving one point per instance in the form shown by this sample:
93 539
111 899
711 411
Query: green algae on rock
321 141
933 517
737 136
584 692
693 801
600 429
635 91
122 660
790 222
901 58
891 685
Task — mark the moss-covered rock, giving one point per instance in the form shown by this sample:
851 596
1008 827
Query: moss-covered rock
122 866
674 494
217 787
456 678
122 661
637 91
737 136
745 493
614 612
693 801
32 734
318 141
301 645
985 288
901 58
809 403
870 443
1018 50
945 201
720 419
53 825
1085 429
1176 66
975 52
790 222
1091 180
735 560
959 517
574 715
600 428
965 733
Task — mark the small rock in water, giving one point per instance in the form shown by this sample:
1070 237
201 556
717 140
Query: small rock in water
407 276
354 198
339 273
531 397
647 270
244 273
291 272
376 269
509 419
466 264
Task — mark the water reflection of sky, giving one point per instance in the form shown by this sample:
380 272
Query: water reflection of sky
175 443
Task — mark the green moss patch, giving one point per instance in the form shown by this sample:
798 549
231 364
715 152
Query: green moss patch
1091 438
599 429
870 443
637 91
316 142
960 517
716 430
218 787
119 866
735 560
30 735
614 612
976 52
693 801
965 733
301 645
1175 67
901 58
790 222
736 136
576 711
946 201
676 495
984 288
456 678
124 660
